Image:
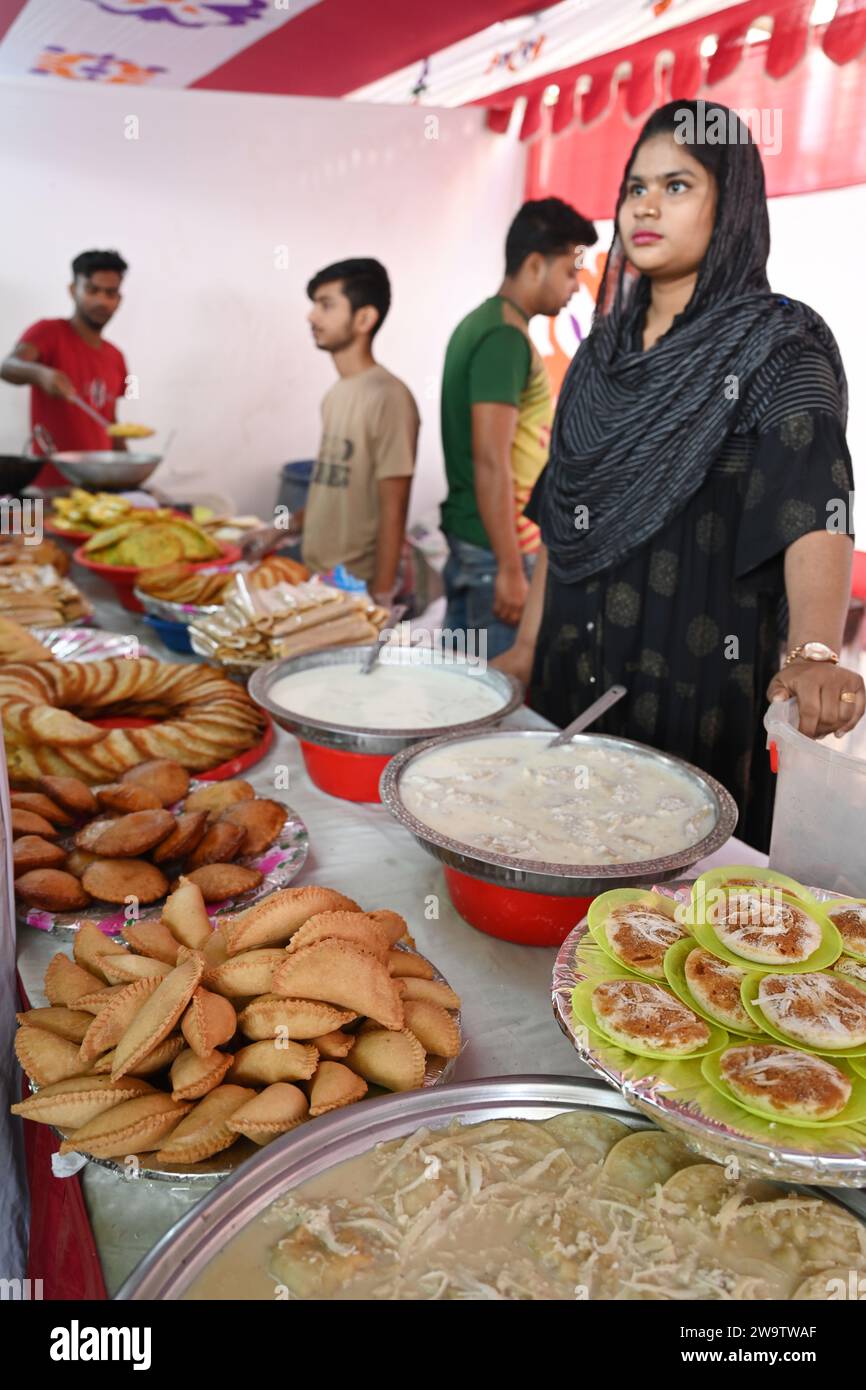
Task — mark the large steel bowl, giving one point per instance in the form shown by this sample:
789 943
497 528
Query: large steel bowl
329 734
107 470
558 880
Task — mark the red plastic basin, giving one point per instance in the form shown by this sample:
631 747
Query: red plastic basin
352 776
123 578
512 914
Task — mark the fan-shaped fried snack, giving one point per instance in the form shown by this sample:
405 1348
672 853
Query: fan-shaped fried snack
355 927
433 1026
135 1126
40 805
125 968
98 999
393 1059
185 915
339 973
205 1129
276 1059
65 981
125 797
133 835
218 796
270 1016
91 945
193 1076
164 778
188 832
152 939
32 852
45 1056
275 920
274 1111
334 1086
247 974
71 793
435 991
334 1046
66 1023
220 881
77 861
209 1021
392 924
215 950
77 1100
158 1016
404 963
151 1063
219 845
109 1025
86 838
261 821
29 823
53 890
115 880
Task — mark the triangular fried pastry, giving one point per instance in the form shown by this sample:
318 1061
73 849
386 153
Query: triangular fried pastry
159 1015
192 1077
433 1026
45 1057
65 982
334 1086
334 1046
78 1100
275 1059
136 1126
109 1025
355 927
100 999
403 963
339 973
152 939
390 1059
435 991
185 915
270 1016
123 969
249 973
152 1063
90 944
392 924
66 1023
205 1129
274 1111
275 920
209 1021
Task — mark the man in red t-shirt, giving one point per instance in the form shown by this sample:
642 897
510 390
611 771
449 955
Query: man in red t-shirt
61 358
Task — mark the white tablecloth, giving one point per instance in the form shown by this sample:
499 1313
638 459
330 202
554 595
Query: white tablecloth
507 1017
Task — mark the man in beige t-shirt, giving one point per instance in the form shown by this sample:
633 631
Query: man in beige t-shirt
359 493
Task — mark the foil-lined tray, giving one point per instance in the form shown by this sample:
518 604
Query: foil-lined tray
90 644
280 864
675 1095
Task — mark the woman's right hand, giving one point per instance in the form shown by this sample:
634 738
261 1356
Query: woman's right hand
517 662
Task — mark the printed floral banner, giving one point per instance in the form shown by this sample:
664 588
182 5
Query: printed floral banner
169 43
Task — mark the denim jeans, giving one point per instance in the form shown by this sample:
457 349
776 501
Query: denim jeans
470 574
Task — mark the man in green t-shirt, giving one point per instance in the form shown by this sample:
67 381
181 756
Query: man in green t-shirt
497 411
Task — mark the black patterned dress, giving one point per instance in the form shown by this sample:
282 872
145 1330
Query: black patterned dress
693 622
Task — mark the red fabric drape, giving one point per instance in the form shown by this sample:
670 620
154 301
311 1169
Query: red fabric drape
729 53
845 35
788 40
563 112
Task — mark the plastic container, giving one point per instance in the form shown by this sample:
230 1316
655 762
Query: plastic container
123 578
175 636
295 484
819 821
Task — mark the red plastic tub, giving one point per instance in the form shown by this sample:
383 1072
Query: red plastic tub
512 914
123 578
352 776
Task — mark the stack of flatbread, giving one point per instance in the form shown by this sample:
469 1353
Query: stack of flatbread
37 596
260 625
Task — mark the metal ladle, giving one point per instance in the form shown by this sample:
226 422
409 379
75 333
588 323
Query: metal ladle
589 715
390 623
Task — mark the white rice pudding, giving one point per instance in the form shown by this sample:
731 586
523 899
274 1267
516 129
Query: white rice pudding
577 804
390 697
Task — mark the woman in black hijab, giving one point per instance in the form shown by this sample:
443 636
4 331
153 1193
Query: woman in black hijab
699 483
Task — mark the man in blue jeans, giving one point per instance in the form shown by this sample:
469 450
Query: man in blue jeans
497 411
